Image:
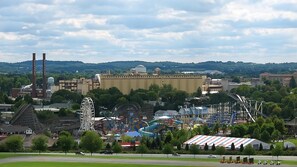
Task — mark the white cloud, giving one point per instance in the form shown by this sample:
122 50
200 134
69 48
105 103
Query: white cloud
167 30
15 37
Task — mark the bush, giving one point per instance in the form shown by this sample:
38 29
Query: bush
3 148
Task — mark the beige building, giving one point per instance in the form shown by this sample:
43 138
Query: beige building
283 78
81 85
125 83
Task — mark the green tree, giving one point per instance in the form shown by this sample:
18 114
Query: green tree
256 133
292 83
220 150
206 147
279 124
205 130
198 92
39 143
241 148
142 149
224 128
232 146
28 99
126 138
260 121
265 136
275 135
91 141
65 141
213 147
235 79
194 150
167 149
187 147
168 137
260 147
117 148
107 147
249 150
14 143
216 128
277 151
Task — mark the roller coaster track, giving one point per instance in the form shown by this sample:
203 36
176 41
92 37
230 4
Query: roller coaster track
247 107
19 112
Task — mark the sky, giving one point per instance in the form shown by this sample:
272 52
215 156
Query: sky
95 31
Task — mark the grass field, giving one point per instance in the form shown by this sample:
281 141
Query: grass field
70 164
7 155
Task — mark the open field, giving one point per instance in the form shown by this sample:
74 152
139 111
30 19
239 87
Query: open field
7 160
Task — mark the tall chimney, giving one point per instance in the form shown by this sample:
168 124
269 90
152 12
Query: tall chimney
44 84
33 93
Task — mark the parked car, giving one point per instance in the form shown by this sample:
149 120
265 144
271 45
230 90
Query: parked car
175 154
212 156
108 152
79 153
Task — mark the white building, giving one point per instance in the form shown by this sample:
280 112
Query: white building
226 142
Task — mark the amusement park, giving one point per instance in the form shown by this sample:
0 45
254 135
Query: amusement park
136 112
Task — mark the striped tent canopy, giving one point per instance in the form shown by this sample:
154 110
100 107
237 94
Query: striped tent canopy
219 141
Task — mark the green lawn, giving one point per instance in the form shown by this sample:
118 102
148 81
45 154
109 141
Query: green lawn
7 155
71 164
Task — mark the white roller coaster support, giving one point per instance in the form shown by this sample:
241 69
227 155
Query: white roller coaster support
87 114
246 109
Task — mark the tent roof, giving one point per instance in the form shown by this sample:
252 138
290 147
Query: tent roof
133 134
219 141
293 122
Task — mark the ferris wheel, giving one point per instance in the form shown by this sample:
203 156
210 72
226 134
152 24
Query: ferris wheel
87 114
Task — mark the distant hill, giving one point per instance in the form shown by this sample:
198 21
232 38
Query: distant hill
231 68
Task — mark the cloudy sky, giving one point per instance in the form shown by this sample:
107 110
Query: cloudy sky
97 31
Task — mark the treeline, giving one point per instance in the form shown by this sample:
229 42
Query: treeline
279 100
229 68
109 98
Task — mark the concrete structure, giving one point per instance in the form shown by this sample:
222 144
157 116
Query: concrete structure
226 142
44 84
283 78
33 90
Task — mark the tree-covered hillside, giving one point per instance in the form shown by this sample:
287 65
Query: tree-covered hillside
234 68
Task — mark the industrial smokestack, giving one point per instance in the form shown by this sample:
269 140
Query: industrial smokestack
44 84
33 93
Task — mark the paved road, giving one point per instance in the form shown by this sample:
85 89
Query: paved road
121 161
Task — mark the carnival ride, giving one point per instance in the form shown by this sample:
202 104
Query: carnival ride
130 117
240 110
87 115
154 127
